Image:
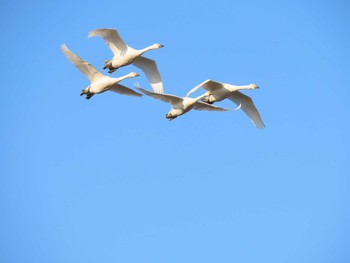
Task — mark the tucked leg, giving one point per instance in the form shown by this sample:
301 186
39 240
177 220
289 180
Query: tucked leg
89 95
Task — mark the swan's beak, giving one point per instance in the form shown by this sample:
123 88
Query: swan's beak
161 45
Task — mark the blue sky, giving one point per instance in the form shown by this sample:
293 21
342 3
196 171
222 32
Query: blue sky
111 180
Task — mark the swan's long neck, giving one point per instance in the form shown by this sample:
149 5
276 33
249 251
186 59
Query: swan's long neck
233 88
123 77
245 87
152 47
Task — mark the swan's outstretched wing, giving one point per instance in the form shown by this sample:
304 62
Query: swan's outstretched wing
86 68
171 99
209 85
205 106
149 67
124 90
248 107
112 39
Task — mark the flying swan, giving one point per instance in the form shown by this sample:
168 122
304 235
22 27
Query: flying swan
125 55
181 105
99 82
218 91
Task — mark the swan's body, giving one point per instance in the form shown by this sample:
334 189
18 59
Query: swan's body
99 82
125 55
219 91
181 105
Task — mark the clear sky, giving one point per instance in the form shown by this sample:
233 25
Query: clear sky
111 180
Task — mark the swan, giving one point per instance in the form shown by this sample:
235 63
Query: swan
99 82
125 55
218 91
181 105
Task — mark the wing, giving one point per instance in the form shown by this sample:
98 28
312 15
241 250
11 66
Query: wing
149 67
205 106
171 99
248 107
208 85
86 68
124 90
112 39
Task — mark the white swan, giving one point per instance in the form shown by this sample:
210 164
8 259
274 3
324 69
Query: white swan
125 55
99 82
181 105
219 91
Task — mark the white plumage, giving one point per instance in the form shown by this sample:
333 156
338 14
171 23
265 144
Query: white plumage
218 91
125 55
99 82
181 105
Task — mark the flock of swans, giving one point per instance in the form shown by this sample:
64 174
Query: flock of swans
124 55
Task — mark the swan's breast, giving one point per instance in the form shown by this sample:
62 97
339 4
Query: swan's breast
118 62
100 85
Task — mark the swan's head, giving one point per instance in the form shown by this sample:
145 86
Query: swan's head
133 75
170 116
158 45
254 86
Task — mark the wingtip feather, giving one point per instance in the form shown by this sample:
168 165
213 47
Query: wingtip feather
63 47
259 125
96 32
